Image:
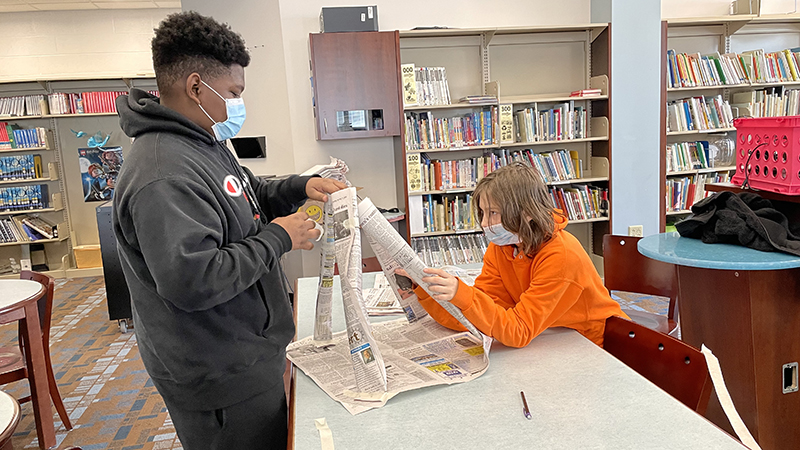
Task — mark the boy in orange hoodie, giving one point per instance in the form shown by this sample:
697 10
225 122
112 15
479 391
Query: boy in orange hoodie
535 274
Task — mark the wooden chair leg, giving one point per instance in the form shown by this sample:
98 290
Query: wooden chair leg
55 395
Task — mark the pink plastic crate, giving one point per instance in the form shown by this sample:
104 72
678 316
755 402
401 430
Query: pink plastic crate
772 145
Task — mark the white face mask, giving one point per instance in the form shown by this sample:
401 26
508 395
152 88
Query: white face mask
500 236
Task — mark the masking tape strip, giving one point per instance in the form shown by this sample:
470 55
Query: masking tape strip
726 401
325 434
377 397
350 223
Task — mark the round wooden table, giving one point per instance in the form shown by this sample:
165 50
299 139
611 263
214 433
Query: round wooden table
9 418
18 302
744 305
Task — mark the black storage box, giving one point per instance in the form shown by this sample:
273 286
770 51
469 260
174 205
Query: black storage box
348 18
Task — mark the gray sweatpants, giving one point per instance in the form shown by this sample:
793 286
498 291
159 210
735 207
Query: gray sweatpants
254 424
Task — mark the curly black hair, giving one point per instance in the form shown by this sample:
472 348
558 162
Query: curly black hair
188 42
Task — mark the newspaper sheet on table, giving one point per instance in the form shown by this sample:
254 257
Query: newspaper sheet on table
365 356
381 299
416 350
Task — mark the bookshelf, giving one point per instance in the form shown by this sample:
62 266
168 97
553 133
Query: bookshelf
700 38
534 69
61 169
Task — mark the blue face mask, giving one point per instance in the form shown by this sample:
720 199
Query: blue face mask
236 115
500 236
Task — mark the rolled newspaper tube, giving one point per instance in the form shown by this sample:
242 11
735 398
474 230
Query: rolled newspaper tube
370 372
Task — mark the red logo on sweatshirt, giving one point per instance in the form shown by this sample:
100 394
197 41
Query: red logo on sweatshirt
232 185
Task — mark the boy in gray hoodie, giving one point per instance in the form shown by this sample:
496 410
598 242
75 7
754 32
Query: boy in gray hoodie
200 240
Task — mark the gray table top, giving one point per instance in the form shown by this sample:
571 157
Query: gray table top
579 396
674 249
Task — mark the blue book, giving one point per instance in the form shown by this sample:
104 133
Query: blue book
689 124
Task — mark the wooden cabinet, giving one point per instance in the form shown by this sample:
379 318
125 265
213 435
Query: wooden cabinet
356 81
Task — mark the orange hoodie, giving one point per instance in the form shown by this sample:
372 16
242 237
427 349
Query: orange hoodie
516 298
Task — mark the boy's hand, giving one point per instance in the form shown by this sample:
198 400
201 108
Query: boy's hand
316 188
300 230
442 285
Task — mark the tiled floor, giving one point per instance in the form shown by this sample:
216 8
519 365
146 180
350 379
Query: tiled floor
110 399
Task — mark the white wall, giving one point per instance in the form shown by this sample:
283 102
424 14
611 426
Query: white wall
371 161
52 44
635 111
671 9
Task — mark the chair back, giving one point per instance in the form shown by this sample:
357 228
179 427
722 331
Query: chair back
45 304
674 366
625 269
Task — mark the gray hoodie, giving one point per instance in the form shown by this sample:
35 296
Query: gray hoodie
210 307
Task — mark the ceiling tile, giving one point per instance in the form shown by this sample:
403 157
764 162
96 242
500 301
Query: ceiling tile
16 8
63 6
40 2
125 5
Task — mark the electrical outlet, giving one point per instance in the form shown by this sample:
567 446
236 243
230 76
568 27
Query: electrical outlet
636 230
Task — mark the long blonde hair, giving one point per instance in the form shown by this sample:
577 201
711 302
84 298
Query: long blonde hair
519 192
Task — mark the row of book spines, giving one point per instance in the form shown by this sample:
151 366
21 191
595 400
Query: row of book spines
762 104
423 131
559 165
449 214
20 167
684 192
62 103
440 251
696 113
581 203
687 156
12 137
556 166
685 70
84 102
561 123
432 86
23 229
21 198
32 105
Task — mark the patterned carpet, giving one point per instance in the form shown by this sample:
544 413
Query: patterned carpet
111 402
110 399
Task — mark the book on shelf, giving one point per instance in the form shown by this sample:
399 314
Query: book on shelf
23 105
699 114
20 167
39 225
19 198
771 102
438 251
478 99
750 67
685 191
425 132
14 137
93 102
448 213
683 156
17 229
431 174
432 88
586 93
561 122
582 202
